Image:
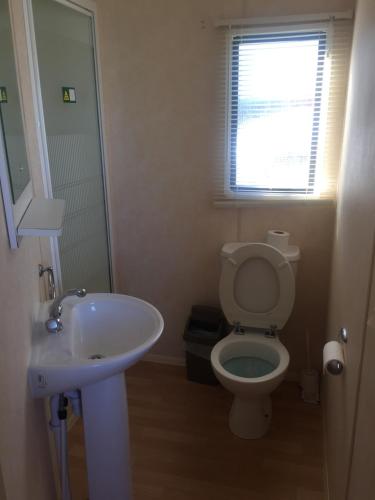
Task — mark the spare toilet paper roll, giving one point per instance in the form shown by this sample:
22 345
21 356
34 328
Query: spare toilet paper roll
278 239
333 358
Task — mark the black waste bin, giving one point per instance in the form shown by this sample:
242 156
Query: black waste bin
204 328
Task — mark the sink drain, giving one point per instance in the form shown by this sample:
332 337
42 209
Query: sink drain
96 356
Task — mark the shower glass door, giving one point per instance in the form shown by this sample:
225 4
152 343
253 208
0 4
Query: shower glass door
65 48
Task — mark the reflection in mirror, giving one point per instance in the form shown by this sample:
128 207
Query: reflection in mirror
10 109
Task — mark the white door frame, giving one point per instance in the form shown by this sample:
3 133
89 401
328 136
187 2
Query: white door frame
87 7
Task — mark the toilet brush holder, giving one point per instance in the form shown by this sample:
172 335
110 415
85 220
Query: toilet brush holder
310 386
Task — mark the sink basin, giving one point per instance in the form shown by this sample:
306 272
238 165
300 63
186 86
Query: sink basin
103 335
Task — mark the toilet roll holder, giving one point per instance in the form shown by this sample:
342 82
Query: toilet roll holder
336 367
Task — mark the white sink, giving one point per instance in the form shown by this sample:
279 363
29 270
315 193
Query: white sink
118 329
103 334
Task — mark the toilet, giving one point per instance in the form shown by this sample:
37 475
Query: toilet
257 290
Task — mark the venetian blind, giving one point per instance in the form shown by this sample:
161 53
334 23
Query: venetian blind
282 95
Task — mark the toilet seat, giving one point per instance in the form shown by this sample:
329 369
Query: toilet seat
261 316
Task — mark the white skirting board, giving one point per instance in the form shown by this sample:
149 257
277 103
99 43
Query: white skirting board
165 360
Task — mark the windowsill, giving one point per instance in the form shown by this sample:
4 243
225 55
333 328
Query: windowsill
261 202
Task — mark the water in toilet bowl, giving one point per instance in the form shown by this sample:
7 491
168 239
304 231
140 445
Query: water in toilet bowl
248 366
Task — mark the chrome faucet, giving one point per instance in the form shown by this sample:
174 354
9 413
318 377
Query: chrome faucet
54 323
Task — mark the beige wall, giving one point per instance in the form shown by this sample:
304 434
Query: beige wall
24 450
158 64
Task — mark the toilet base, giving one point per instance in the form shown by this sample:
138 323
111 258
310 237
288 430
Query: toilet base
250 418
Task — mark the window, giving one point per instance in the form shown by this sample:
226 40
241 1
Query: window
276 107
284 110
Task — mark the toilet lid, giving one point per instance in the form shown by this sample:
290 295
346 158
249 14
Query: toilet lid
257 286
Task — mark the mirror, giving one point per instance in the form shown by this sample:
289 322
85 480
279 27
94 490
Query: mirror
14 171
10 109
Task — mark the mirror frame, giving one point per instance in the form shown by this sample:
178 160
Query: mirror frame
14 211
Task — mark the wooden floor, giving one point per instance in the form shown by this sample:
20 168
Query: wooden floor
182 448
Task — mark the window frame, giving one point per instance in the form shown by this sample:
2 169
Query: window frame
321 33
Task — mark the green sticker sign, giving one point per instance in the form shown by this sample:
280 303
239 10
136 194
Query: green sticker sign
69 95
3 94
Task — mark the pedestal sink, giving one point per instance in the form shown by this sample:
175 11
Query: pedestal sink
103 334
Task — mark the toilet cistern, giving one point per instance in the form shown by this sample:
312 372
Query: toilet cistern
54 323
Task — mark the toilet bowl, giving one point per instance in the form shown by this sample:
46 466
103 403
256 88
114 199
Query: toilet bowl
257 289
250 366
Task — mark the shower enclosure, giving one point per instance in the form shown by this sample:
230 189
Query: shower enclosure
66 76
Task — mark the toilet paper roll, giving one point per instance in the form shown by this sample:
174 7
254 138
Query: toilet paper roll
278 239
333 358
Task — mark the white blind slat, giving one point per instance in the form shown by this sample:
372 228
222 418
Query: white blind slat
281 104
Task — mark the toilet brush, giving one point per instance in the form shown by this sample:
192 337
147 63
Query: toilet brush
309 381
